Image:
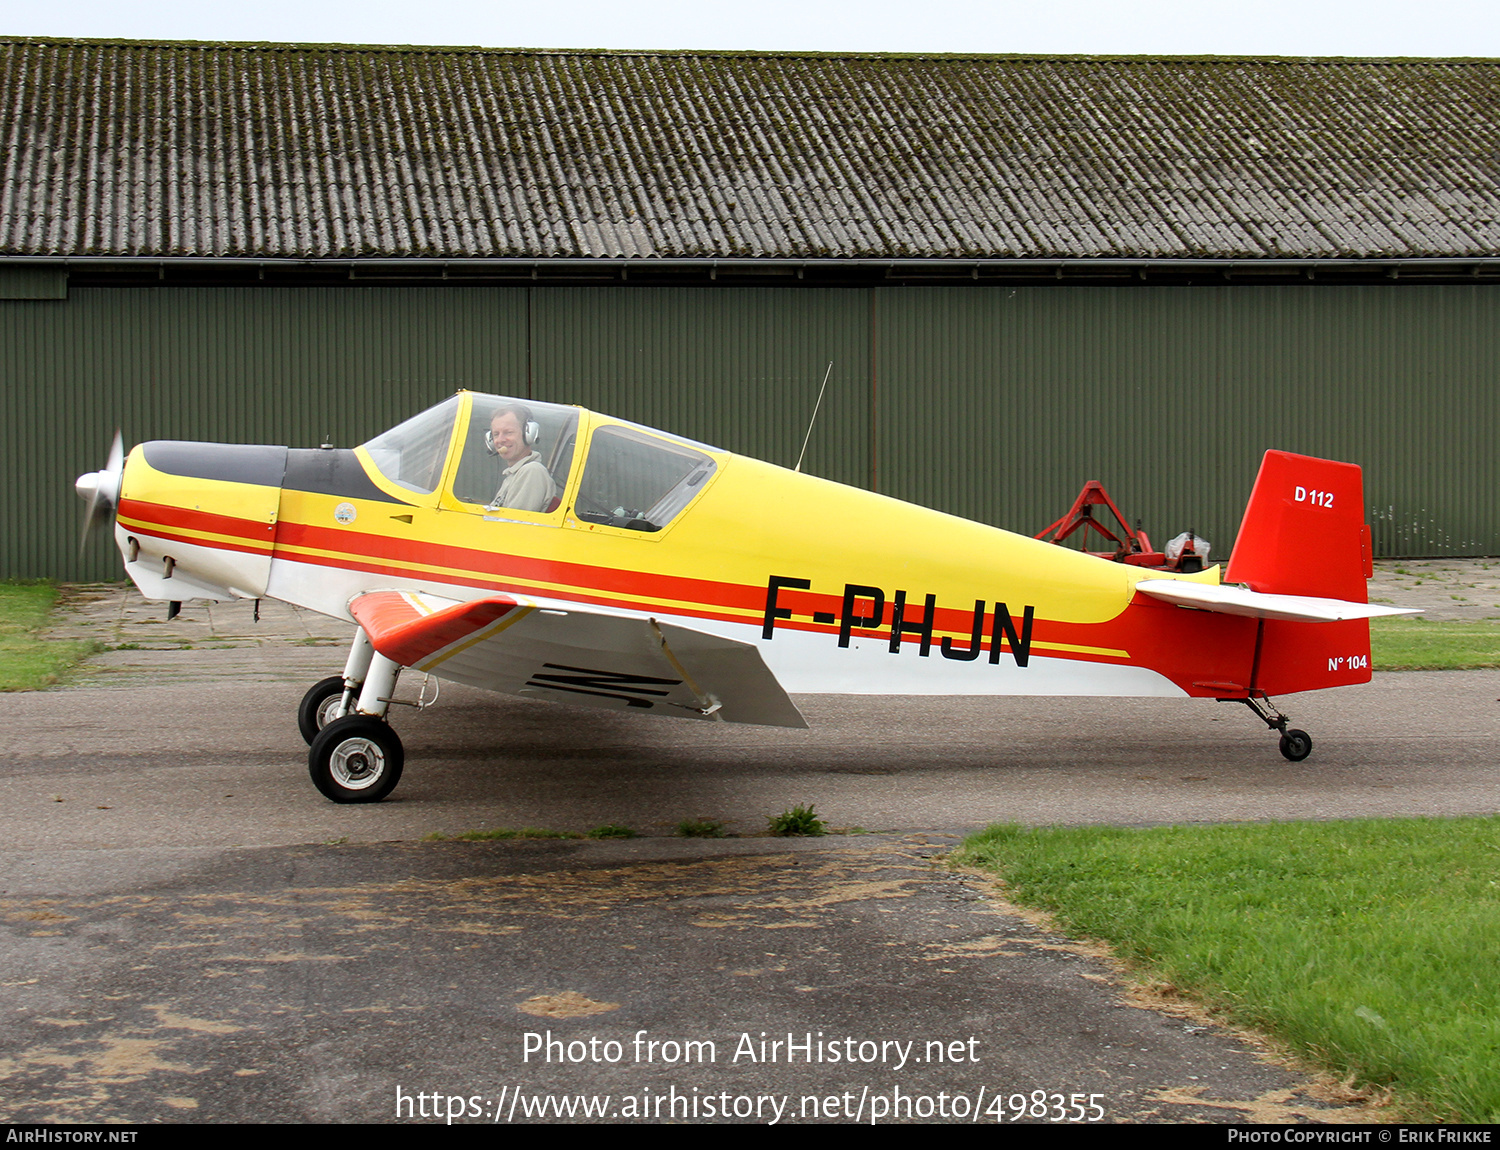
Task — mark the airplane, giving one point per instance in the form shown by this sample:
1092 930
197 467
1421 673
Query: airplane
553 552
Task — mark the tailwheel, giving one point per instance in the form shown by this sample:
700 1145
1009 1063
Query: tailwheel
356 759
1296 745
320 706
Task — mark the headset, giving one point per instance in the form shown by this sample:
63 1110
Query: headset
531 430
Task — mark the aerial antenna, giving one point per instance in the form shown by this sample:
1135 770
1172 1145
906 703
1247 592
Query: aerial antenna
814 418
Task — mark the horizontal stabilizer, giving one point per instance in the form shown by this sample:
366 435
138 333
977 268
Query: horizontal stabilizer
1229 600
576 655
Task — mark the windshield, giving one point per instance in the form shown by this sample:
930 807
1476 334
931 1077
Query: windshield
412 454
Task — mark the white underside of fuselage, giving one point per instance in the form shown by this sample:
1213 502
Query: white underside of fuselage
803 662
195 571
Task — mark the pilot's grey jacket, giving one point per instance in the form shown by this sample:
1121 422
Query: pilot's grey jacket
526 485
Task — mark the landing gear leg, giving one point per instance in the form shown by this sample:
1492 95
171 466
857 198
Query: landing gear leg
1295 745
334 697
379 686
356 667
358 758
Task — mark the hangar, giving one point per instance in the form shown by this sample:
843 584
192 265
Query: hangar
1026 271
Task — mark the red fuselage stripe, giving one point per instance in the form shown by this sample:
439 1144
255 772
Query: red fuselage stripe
1140 629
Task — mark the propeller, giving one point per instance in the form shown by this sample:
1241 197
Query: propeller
100 491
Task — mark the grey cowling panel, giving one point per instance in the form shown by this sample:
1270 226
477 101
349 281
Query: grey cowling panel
263 466
330 471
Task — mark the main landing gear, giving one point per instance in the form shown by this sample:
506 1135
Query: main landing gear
321 705
353 756
1295 745
356 759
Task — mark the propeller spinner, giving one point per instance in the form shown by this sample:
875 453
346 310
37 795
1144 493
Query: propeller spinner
100 491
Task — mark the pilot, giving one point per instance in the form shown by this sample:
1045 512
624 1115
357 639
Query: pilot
525 484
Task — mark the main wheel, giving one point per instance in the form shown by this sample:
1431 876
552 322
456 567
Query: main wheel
356 759
319 707
1296 745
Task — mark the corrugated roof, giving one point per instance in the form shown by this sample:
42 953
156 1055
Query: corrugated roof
231 150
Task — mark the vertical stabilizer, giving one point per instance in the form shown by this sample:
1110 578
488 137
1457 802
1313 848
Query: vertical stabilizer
1304 530
1304 533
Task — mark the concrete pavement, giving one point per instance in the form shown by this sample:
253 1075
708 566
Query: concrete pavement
193 933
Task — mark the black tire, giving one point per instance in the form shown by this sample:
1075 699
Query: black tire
1296 745
356 759
312 715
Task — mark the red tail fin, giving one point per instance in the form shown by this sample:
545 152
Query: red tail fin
1304 533
1304 530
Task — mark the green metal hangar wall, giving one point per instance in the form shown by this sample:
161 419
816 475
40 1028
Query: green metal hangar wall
1027 272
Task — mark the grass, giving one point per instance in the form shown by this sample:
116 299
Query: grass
1426 645
607 831
500 833
701 829
27 663
797 821
1369 947
612 831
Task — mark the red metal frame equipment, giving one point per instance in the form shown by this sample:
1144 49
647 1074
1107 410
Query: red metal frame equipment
1131 546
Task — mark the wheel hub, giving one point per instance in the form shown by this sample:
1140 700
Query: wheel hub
357 763
329 710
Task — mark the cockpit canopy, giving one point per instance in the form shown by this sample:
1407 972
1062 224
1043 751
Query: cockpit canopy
493 454
412 454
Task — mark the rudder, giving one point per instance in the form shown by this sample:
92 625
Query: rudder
1304 530
1304 534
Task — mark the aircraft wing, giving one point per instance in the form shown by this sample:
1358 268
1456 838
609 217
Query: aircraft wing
1230 600
576 655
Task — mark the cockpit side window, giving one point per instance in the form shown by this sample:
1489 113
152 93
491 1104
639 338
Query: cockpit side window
412 454
516 454
638 481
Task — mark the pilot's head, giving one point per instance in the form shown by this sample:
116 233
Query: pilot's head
512 432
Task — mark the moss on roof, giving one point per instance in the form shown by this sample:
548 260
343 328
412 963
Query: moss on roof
205 149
